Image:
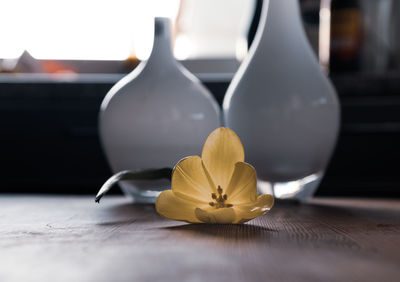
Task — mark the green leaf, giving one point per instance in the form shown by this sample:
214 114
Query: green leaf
146 174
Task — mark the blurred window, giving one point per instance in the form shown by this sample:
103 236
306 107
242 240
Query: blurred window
121 29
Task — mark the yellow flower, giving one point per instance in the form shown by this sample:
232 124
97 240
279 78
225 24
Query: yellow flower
219 187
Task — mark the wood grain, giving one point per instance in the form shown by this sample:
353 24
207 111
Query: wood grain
60 238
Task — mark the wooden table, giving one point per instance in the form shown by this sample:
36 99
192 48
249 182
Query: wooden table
70 238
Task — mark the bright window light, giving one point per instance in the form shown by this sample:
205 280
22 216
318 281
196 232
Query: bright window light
213 28
121 29
81 29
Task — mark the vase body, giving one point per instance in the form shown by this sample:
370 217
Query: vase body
283 106
155 116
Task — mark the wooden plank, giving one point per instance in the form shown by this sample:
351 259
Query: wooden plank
67 238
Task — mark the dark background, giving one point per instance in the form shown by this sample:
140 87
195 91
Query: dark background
49 141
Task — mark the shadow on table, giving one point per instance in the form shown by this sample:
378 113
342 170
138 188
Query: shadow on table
128 213
226 232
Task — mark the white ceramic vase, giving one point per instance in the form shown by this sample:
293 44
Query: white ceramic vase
156 115
283 106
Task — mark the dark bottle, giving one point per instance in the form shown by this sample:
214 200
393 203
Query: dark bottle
346 36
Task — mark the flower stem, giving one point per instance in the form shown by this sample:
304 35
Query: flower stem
145 174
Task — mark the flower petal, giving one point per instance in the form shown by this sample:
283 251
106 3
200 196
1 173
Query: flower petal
223 215
190 181
172 207
247 212
221 151
243 185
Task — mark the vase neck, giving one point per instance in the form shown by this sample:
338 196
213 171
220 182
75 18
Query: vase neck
162 51
280 22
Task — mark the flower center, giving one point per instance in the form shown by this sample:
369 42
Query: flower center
219 200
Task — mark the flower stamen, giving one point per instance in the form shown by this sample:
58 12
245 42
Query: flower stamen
220 199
